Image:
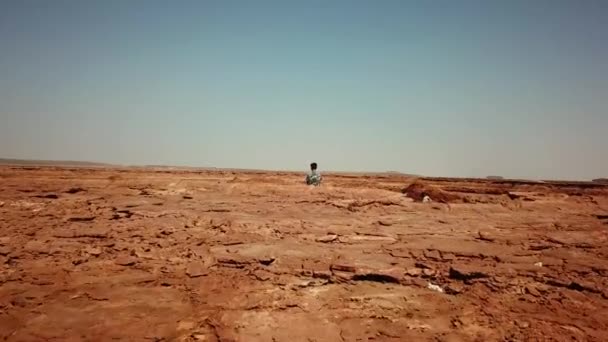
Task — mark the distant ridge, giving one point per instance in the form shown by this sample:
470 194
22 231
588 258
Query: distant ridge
28 162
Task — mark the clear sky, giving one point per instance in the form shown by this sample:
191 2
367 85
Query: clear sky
444 88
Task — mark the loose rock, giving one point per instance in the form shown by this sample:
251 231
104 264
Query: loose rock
5 250
427 272
37 247
126 261
266 261
343 268
434 287
385 223
485 236
196 269
321 274
413 272
81 218
433 255
95 251
392 275
454 288
327 238
532 290
74 190
461 272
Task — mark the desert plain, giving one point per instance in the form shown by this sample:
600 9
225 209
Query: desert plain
142 254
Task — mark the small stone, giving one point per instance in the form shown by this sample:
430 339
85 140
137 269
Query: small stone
36 247
49 196
447 256
126 261
522 324
81 218
232 243
455 288
416 254
166 232
422 265
413 272
385 223
542 288
261 275
456 322
233 261
485 236
327 238
266 261
79 261
321 274
74 190
219 224
167 282
5 250
532 290
185 325
94 251
513 195
462 272
400 253
433 255
196 269
428 272
340 277
434 287
538 264
88 233
343 268
417 282
391 275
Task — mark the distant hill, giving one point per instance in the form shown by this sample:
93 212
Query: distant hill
601 180
27 162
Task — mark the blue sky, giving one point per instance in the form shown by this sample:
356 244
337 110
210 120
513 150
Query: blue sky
442 88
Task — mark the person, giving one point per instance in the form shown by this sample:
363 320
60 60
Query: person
314 177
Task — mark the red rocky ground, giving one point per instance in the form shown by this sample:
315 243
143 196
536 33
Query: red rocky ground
143 255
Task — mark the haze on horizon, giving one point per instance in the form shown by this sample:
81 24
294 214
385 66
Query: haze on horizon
440 88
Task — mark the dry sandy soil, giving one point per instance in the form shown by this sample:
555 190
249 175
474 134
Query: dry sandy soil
144 255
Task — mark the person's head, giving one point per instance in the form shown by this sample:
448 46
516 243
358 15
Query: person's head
313 166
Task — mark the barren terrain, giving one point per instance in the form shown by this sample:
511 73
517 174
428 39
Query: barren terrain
144 255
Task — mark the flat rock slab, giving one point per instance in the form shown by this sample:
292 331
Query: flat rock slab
37 247
81 233
327 238
126 261
465 272
197 269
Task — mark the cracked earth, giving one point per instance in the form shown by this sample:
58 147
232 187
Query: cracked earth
149 255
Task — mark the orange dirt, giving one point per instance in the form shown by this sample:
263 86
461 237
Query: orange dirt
143 255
